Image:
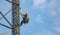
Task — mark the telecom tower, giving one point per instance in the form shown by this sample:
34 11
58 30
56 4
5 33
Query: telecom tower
15 26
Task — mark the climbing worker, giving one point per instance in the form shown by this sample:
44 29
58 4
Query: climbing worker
25 19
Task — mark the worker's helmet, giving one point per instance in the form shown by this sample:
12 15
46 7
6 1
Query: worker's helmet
26 14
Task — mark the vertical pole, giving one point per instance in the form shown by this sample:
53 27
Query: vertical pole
15 17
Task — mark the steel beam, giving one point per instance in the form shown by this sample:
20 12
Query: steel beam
5 18
15 17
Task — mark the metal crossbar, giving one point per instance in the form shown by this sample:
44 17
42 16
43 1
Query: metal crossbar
5 18
5 26
5 14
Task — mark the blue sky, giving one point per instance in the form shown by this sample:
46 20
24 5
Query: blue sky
44 17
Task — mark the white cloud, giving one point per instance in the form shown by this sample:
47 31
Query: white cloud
53 10
44 32
56 23
53 13
36 34
47 32
53 4
56 28
39 3
39 19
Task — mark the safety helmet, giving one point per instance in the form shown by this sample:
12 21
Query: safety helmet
26 14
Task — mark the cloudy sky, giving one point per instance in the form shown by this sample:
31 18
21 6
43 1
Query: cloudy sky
44 17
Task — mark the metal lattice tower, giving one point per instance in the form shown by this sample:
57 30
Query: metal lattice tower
15 26
15 17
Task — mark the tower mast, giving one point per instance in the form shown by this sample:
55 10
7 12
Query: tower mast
15 17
